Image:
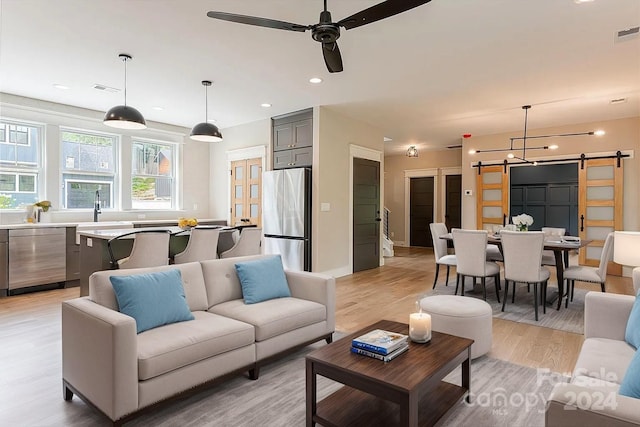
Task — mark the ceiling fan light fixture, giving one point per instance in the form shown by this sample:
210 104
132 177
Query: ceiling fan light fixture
412 151
124 116
205 131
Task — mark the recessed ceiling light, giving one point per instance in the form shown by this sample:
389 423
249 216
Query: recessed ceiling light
213 120
61 87
599 132
387 139
158 108
265 105
582 1
315 80
105 88
553 147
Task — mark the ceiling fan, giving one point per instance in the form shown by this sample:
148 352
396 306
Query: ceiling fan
327 31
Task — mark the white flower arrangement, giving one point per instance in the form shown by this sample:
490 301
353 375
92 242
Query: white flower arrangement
522 221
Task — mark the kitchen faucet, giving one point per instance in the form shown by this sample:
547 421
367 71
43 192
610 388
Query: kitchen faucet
96 206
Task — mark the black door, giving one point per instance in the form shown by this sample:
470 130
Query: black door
420 211
453 202
366 214
548 193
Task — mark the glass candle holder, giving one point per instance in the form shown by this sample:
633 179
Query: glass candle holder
420 327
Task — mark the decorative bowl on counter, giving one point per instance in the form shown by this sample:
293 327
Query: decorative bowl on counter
187 223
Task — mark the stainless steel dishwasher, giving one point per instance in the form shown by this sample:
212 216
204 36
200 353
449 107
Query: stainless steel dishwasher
37 256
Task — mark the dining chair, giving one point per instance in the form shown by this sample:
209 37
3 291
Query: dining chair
150 249
548 257
522 253
583 273
442 257
248 243
471 255
202 245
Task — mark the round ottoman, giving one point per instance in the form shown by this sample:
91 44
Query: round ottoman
462 316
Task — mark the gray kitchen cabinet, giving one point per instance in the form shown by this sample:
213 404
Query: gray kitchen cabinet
295 158
73 258
37 256
292 139
4 261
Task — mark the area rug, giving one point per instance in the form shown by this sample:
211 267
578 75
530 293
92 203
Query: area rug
503 394
570 319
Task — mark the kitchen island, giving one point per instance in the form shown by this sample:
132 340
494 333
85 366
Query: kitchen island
94 252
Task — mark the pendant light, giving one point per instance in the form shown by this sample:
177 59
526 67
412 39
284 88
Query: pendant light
123 116
205 131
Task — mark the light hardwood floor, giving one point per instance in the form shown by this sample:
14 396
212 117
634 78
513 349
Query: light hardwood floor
30 349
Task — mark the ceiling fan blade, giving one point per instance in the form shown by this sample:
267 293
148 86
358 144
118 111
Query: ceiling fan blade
379 11
332 57
260 22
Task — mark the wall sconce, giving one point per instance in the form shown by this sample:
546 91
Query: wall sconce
412 151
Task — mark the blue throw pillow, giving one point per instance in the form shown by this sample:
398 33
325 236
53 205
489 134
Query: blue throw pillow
632 333
630 385
262 279
153 299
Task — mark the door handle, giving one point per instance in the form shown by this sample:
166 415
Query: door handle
378 219
581 222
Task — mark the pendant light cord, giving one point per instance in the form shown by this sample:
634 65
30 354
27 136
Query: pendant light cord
524 137
125 80
206 103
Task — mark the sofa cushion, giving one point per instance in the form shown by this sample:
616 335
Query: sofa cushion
631 382
101 290
262 279
275 316
221 279
170 347
632 333
153 299
604 358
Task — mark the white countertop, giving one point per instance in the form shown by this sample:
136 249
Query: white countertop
94 225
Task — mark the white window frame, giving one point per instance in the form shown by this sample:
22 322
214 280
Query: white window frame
174 172
97 176
36 169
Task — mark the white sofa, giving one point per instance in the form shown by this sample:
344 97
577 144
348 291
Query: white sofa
120 372
591 397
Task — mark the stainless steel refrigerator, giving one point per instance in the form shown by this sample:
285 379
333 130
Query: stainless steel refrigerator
286 214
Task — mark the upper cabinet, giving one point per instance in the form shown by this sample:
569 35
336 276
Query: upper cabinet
293 140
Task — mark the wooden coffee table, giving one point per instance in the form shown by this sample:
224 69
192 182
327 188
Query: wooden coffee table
407 391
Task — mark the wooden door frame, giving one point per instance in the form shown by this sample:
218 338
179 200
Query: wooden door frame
258 151
457 170
418 173
357 151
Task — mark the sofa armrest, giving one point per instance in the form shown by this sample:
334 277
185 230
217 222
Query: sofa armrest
606 315
316 287
99 356
574 405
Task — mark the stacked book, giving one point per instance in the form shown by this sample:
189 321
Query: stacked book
380 344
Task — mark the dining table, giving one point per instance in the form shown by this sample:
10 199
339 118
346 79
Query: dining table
560 245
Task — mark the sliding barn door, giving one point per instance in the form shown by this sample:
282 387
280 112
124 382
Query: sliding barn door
599 207
492 208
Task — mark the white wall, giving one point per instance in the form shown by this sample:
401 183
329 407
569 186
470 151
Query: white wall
255 134
334 135
193 160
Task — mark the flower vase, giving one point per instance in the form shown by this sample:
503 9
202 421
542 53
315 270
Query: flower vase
523 227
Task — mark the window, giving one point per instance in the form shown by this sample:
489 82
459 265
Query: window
20 169
153 175
88 166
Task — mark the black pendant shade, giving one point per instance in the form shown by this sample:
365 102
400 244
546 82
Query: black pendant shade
123 116
205 131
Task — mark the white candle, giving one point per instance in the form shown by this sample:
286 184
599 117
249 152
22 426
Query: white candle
420 327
